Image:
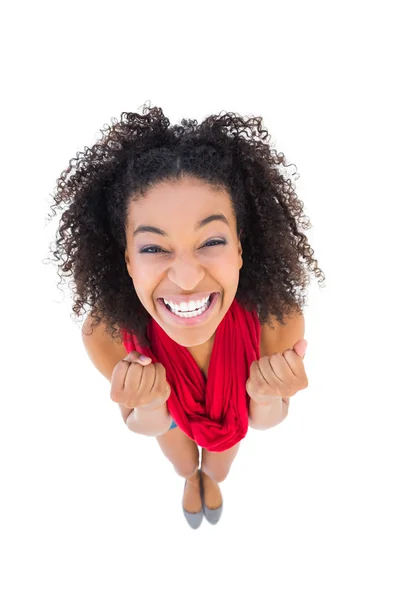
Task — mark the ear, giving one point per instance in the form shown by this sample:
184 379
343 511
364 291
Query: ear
128 266
240 251
240 242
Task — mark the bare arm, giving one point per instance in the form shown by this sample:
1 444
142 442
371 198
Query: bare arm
105 353
149 421
265 416
279 339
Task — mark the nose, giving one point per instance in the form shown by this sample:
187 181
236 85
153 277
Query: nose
186 272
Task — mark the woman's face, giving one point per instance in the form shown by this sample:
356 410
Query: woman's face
184 260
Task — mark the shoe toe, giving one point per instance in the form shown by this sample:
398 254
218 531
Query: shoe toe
194 519
212 515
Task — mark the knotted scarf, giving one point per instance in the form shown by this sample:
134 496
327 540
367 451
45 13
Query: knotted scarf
213 412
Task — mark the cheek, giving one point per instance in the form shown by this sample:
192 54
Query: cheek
141 282
145 280
228 270
143 273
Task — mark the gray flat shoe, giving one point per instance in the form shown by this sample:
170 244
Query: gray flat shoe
194 519
212 515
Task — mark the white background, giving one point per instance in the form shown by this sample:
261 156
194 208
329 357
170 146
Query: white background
92 510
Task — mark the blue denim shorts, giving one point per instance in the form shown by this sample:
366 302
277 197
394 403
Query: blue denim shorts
173 424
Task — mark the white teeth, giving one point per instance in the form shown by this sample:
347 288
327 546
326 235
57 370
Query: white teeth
191 313
188 306
189 309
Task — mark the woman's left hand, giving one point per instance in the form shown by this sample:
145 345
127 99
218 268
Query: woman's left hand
278 376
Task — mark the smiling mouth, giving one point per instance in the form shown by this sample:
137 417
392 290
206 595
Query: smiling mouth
197 311
195 316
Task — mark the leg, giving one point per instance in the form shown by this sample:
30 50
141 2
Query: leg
217 464
183 453
215 468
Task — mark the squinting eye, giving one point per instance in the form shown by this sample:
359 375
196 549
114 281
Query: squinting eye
146 250
206 245
216 242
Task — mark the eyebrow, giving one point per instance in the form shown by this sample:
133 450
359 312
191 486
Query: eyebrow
202 223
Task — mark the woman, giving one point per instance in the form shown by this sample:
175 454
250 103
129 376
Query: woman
185 242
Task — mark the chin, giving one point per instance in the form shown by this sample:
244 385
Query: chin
189 341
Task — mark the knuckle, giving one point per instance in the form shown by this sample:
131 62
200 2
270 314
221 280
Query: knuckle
117 368
114 396
160 367
258 387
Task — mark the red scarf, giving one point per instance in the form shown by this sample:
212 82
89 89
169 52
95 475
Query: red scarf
213 413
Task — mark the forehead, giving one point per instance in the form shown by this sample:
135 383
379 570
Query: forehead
186 200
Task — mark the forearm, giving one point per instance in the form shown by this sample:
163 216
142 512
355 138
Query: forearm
268 414
149 421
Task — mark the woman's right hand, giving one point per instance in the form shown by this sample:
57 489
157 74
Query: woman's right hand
137 382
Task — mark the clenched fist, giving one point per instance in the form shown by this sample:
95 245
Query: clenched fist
138 382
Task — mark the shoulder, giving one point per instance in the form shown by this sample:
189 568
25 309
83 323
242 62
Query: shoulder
278 338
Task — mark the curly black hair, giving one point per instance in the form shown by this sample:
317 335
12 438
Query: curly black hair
140 150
